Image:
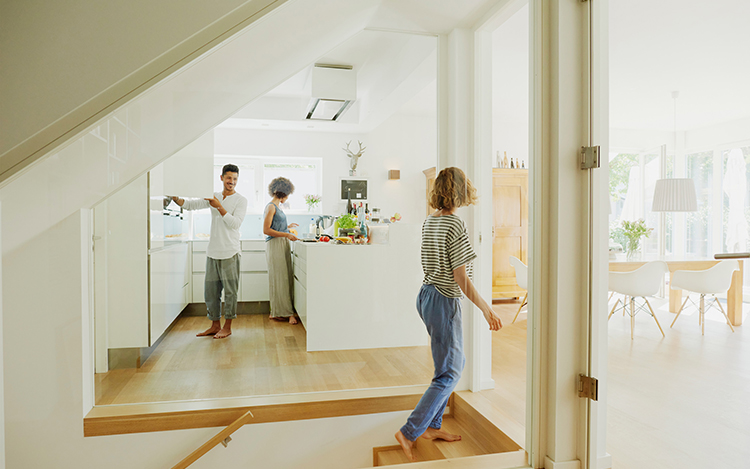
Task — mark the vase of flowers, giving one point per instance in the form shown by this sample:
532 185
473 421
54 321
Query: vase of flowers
629 235
312 201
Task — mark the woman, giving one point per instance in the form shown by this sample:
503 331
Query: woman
446 261
278 254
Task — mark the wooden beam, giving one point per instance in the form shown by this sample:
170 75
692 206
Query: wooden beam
117 421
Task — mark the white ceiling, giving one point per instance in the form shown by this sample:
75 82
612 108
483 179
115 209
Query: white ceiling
699 48
393 70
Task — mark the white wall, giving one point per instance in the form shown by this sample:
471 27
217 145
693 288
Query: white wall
407 143
510 87
2 371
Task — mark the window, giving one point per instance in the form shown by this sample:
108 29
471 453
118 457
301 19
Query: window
699 167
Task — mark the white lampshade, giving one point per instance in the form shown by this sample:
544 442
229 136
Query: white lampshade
675 195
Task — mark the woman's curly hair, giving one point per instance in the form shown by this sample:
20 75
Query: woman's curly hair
452 189
280 187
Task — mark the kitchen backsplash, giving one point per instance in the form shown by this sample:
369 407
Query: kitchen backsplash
252 226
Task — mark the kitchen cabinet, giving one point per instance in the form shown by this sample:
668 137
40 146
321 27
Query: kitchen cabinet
167 287
358 297
510 215
190 171
253 271
121 269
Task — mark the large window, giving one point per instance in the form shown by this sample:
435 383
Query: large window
699 235
257 172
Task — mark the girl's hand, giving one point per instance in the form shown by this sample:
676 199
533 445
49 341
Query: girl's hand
292 225
492 319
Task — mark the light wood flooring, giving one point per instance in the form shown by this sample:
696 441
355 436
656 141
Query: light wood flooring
262 357
682 401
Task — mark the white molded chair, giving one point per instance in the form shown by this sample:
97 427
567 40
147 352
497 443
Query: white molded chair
642 282
711 281
522 275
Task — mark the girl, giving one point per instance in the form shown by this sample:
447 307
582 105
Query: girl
446 262
278 254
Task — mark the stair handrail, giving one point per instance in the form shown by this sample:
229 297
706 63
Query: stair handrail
222 437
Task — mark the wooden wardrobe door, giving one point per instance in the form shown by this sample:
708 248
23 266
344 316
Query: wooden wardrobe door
511 225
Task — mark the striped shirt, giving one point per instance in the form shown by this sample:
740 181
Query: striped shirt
445 247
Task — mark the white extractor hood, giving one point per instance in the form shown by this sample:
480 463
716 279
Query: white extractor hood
334 89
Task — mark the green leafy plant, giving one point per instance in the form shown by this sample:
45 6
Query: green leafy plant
629 234
347 222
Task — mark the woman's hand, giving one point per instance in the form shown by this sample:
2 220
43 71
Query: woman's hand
291 237
292 225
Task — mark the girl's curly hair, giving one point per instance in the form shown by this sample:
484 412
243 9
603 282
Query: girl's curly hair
280 187
452 189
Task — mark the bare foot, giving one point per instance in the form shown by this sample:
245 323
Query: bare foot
277 318
439 434
406 445
223 333
292 320
210 331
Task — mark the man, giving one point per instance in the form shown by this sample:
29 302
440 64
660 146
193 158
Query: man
223 254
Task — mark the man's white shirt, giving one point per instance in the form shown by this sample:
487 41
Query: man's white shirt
225 231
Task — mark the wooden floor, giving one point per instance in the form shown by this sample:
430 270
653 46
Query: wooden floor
262 357
682 401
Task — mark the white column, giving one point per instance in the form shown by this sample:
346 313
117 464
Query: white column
2 382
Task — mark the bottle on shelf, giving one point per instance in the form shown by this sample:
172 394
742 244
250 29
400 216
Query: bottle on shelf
498 161
505 159
511 164
348 201
312 227
367 212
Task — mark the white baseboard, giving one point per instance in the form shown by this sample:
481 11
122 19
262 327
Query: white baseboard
550 464
604 462
487 384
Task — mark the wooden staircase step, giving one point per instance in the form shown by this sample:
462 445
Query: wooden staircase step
480 438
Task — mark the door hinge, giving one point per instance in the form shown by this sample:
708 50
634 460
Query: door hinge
590 157
588 387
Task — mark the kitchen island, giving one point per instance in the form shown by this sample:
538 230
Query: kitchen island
360 296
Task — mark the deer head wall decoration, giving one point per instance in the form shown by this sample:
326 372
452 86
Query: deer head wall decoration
354 156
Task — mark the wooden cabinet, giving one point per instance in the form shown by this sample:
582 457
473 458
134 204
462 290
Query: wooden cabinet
510 208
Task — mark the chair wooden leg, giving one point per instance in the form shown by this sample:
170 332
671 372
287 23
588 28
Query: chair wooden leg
654 315
679 311
610 296
632 316
614 308
724 313
523 303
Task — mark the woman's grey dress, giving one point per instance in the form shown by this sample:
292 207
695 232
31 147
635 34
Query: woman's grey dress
280 273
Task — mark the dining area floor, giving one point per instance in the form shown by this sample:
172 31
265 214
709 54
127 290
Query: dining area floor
678 401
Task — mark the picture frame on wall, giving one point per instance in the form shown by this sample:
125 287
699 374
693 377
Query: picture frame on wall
357 187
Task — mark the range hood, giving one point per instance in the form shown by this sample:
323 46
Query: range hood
334 89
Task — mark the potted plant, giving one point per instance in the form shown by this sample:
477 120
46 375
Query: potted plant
312 201
629 235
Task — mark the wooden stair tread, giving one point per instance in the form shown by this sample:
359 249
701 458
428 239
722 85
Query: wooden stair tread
497 416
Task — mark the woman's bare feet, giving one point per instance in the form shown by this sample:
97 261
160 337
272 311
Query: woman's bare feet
439 434
406 445
292 320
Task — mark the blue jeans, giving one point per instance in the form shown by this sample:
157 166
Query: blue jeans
442 317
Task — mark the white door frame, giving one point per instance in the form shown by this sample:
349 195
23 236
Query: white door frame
557 419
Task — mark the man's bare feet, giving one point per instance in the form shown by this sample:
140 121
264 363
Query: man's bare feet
292 320
223 333
406 445
439 434
215 328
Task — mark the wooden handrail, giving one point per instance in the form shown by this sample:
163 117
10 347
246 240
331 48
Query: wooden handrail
219 438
